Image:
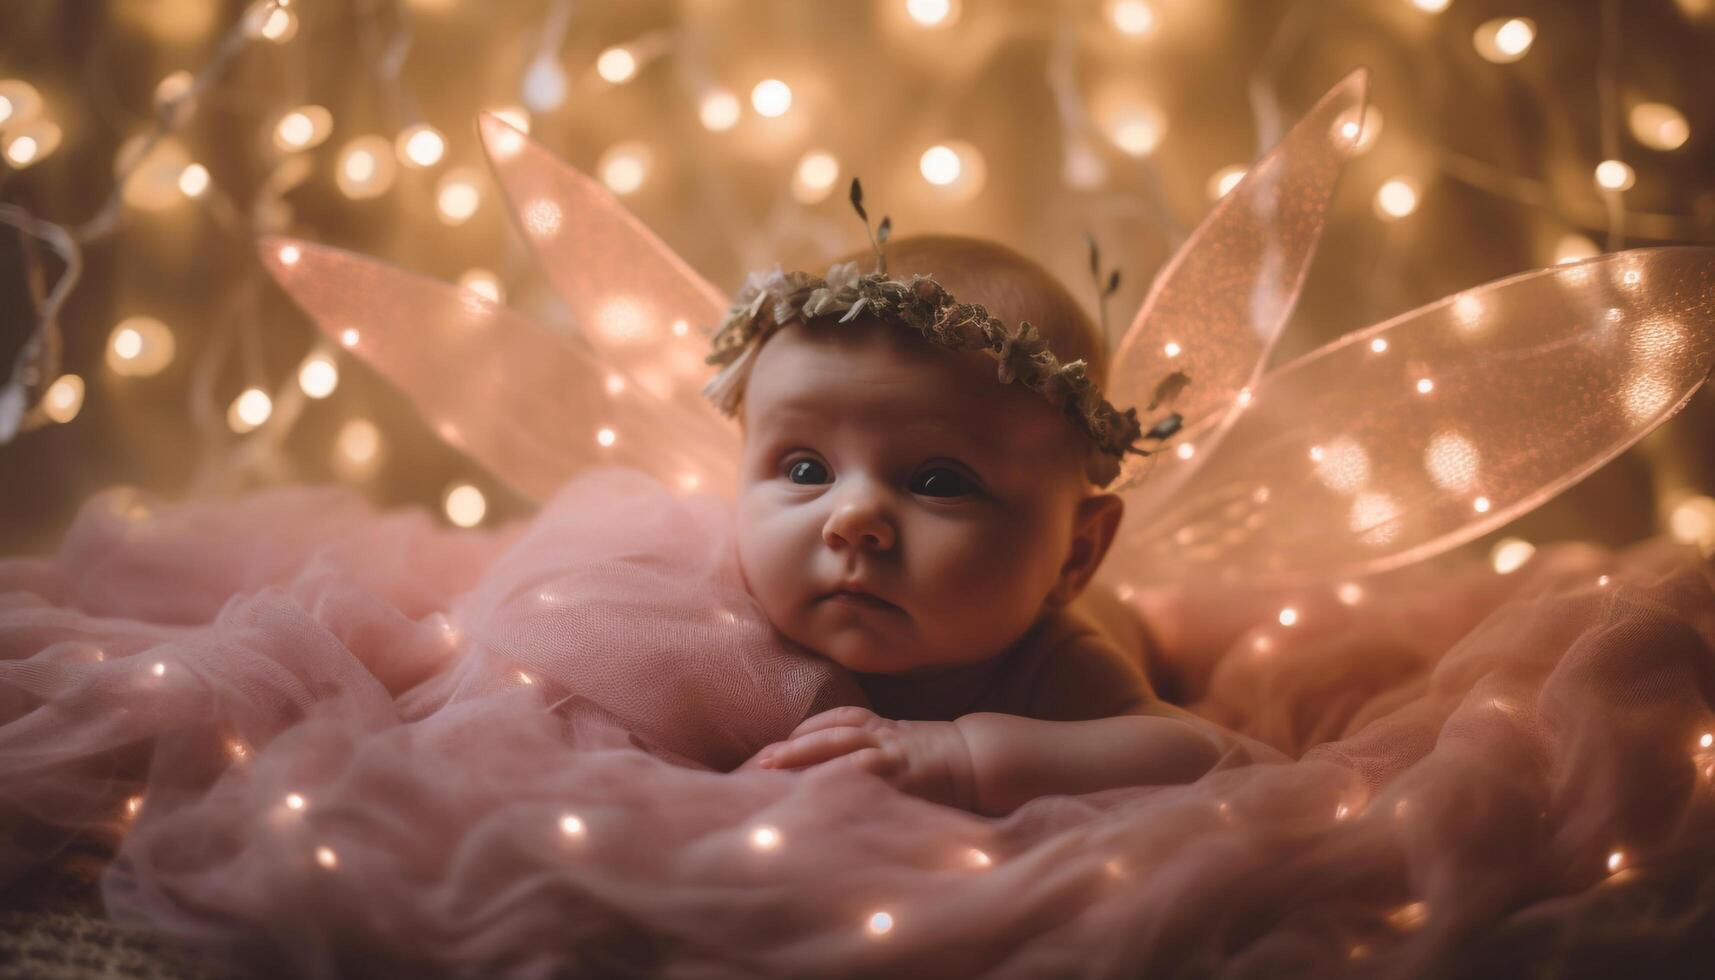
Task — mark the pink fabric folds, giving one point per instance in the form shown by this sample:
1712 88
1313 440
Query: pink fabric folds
375 747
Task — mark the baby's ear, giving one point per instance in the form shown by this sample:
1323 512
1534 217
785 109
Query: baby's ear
1093 530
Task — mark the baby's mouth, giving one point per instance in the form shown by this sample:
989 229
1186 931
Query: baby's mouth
861 600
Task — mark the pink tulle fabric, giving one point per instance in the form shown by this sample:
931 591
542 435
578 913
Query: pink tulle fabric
510 755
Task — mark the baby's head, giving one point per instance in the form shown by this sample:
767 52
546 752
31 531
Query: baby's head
877 460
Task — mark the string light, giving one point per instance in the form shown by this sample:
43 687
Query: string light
458 195
764 837
940 165
1692 521
1288 616
1616 861
357 449
955 166
1505 40
978 858
272 22
29 143
544 88
1614 175
616 65
485 284
880 924
1360 126
250 409
1431 6
63 399
625 166
139 346
719 111
571 825
420 145
194 180
1138 131
1185 450
1425 386
1133 18
1222 181
1510 554
1658 126
1706 740
1573 247
465 505
295 801
771 97
302 128
1350 593
933 13
19 102
366 168
605 437
1396 199
133 806
326 857
816 174
1172 348
1480 505
318 376
1378 345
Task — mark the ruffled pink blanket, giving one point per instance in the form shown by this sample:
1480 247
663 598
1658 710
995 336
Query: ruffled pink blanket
344 742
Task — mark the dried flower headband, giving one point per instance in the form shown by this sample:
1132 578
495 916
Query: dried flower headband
772 300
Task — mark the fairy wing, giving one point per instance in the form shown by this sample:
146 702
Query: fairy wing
638 305
1400 441
530 406
1218 305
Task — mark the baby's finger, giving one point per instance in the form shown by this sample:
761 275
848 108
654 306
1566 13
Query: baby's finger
808 750
847 716
871 760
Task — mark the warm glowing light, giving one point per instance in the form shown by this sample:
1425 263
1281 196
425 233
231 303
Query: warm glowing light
357 449
1425 386
815 177
625 166
605 437
1658 126
764 838
940 165
1350 593
1139 131
1431 6
1185 450
1616 861
29 143
63 399
1510 554
133 806
681 328
615 384
1288 616
168 91
421 145
1343 466
294 801
515 116
278 25
1409 916
544 84
1172 349
465 505
542 218
290 254
194 180
302 128
1693 522
139 346
932 13
1244 396
880 924
327 858
485 284
526 679
458 195
1224 180
1480 505
1360 127
1374 517
1378 346
1503 41
616 64
349 337
571 825
1707 740
1573 247
1133 18
318 376
719 111
366 167
978 858
1396 199
1602 581
249 410
159 669
1614 175
19 102
771 97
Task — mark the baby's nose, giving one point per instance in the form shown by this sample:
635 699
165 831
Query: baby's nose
858 524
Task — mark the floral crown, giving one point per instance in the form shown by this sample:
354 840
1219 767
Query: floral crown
772 300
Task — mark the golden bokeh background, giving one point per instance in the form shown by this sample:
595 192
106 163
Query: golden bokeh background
157 139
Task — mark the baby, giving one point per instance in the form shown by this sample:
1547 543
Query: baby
907 516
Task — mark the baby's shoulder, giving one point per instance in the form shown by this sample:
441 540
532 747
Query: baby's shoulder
1079 671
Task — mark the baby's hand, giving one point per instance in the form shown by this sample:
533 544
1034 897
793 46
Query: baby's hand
924 758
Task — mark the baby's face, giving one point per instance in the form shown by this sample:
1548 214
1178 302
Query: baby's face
876 459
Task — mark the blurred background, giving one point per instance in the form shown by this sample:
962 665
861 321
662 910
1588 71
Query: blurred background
145 144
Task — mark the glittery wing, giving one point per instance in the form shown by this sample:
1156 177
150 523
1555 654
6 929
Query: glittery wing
1215 310
1403 440
530 406
637 304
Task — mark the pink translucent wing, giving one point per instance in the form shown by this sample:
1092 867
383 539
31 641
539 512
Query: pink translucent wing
1401 441
635 302
1215 310
529 406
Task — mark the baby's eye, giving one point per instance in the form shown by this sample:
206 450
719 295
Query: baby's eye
807 471
941 481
